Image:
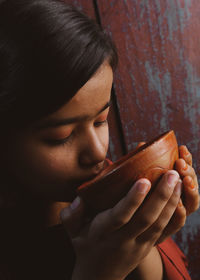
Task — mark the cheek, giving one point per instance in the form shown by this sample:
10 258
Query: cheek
61 163
104 137
42 165
58 163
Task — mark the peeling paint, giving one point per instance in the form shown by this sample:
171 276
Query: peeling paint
158 81
163 88
192 84
177 17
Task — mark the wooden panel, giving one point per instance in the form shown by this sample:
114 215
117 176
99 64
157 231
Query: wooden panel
157 83
158 80
159 75
87 6
116 145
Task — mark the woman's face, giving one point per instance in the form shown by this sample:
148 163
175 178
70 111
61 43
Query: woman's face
55 155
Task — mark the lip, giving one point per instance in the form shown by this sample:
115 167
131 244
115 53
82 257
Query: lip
95 172
151 160
100 167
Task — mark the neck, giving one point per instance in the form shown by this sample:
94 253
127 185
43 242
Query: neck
29 211
53 213
39 214
47 213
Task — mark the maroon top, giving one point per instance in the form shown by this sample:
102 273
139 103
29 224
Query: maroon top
174 261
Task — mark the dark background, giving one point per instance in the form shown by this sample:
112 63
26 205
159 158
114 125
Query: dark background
157 83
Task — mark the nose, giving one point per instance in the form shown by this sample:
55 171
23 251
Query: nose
94 149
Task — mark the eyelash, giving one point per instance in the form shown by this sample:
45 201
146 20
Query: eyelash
64 141
97 124
69 139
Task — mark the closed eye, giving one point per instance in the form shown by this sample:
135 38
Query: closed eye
102 119
97 124
55 142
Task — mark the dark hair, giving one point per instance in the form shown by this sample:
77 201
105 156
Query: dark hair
48 51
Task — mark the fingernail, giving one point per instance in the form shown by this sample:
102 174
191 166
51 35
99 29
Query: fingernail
142 186
75 203
192 187
180 204
185 166
185 151
178 188
172 178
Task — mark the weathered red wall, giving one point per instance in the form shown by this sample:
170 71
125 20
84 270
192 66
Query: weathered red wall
157 83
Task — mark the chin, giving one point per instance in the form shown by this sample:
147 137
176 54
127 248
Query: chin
58 193
65 194
64 198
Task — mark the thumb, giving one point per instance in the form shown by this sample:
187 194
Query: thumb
72 217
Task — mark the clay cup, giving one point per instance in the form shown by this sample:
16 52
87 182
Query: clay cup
149 161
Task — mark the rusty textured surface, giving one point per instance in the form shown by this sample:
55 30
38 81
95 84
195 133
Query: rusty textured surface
158 80
157 84
85 5
116 142
116 146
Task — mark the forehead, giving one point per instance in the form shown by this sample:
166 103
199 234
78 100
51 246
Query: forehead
91 97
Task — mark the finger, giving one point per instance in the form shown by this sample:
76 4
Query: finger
72 217
140 144
191 195
154 205
113 219
175 224
186 170
185 154
155 231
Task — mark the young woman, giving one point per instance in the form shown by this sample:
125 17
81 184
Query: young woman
56 73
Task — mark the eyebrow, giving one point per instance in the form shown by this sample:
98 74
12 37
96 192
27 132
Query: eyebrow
56 122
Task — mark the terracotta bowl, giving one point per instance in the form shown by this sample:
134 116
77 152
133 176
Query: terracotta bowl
150 161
